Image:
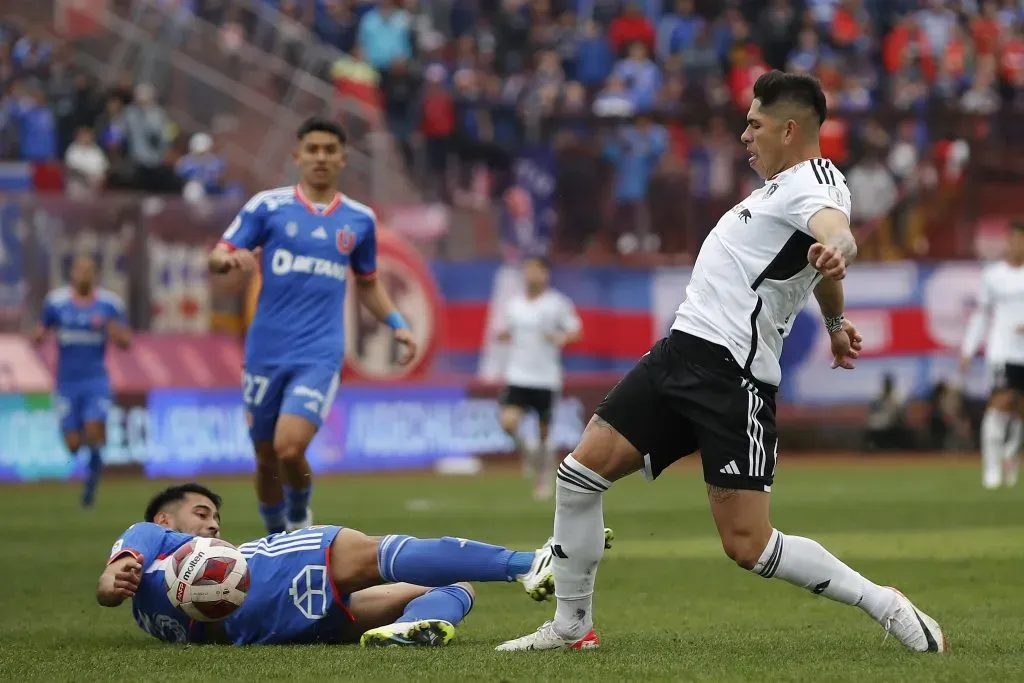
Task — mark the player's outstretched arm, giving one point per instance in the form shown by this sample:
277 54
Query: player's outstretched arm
119 581
38 334
225 258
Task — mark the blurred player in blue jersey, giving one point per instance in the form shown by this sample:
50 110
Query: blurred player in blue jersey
306 238
321 584
83 318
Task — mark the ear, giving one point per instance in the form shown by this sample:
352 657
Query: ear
163 518
791 130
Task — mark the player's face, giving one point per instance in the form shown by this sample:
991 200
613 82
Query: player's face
196 515
83 274
764 138
535 275
320 157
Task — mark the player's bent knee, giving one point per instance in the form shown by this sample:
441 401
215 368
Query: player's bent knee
95 435
605 451
288 450
509 420
744 547
73 440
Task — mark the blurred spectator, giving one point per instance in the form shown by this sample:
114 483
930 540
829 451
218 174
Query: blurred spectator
147 126
384 35
886 426
37 128
678 30
31 54
631 27
614 101
437 124
982 97
86 164
948 427
871 179
112 127
336 24
938 22
399 87
640 75
808 52
700 60
776 29
634 152
357 79
201 170
513 29
594 57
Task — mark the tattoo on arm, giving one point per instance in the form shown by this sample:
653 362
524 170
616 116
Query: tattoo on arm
717 494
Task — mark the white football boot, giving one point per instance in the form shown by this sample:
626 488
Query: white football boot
545 638
912 627
539 581
295 526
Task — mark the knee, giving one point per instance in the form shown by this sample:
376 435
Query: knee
289 450
266 457
744 547
509 422
73 440
468 588
94 436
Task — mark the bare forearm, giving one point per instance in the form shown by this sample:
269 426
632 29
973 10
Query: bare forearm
831 300
844 241
106 595
376 299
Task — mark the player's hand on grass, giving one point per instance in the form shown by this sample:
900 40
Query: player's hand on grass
408 344
127 579
829 261
846 346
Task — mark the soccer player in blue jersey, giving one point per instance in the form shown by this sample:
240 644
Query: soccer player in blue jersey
306 238
321 584
83 317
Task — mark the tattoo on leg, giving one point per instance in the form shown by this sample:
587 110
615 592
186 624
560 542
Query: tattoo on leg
717 494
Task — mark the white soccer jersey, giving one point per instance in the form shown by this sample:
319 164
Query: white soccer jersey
1000 313
534 362
752 276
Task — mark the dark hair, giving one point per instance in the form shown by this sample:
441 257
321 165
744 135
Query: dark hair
801 89
316 124
176 494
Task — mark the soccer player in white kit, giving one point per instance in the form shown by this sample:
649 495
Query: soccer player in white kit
536 324
999 319
711 384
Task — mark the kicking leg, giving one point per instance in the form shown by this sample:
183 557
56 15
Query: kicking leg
602 457
291 439
749 539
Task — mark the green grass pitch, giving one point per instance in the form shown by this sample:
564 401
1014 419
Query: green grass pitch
670 606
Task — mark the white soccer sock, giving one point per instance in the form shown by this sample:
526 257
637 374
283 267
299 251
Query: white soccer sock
805 563
578 545
993 445
1015 434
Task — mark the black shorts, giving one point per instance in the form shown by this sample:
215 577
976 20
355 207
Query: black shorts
1009 376
540 401
688 394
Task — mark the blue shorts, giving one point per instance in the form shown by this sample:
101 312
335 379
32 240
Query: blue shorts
291 598
82 402
268 391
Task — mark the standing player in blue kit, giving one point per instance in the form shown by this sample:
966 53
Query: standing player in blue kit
83 318
306 238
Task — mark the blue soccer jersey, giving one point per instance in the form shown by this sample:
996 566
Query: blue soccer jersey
291 598
80 326
307 252
81 330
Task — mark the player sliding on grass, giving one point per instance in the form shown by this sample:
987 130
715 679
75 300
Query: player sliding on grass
323 584
306 238
711 384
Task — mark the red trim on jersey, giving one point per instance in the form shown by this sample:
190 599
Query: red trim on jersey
328 210
372 275
334 586
225 243
127 551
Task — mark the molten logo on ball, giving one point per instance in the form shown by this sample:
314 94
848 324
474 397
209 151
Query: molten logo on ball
207 579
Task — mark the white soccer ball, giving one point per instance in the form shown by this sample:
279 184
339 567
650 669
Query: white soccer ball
207 579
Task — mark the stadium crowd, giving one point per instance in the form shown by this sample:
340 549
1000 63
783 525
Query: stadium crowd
642 97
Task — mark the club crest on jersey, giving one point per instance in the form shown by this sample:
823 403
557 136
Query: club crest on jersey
346 240
771 190
291 229
836 196
743 212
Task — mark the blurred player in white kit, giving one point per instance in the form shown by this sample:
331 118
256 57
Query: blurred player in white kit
999 320
536 324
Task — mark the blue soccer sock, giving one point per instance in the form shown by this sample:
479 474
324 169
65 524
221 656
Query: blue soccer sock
298 501
448 603
273 517
442 561
92 475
